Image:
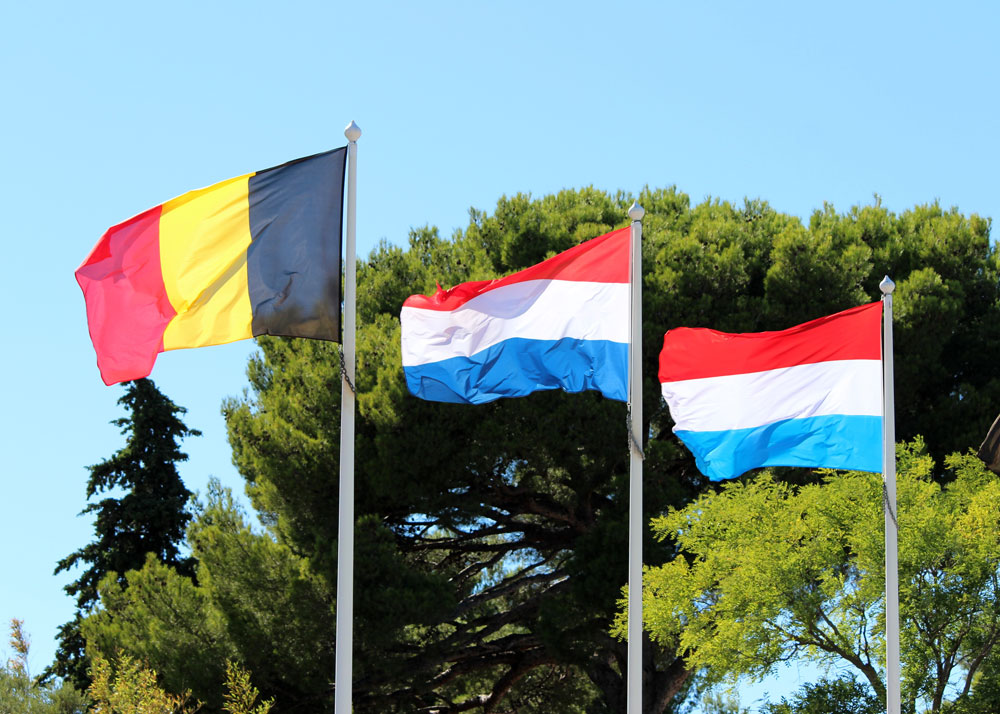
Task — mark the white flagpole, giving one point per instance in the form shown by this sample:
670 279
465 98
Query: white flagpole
892 699
634 660
343 675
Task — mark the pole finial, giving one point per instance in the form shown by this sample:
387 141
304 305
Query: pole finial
636 212
352 131
887 286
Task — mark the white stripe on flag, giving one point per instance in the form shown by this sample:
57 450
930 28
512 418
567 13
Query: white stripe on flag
740 401
533 309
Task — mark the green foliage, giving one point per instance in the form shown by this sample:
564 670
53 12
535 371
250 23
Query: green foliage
254 602
125 685
21 694
149 517
128 687
161 618
241 695
446 494
278 617
772 571
844 695
984 697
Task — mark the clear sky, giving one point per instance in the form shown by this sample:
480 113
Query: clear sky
110 108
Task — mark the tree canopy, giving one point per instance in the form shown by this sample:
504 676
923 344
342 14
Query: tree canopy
149 516
20 693
491 540
772 571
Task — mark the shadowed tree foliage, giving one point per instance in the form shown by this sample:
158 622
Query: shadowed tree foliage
844 695
148 517
491 540
255 602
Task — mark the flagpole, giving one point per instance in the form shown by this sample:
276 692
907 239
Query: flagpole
634 660
343 675
892 699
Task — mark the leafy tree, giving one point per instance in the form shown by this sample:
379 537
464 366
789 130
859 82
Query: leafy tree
844 695
535 487
125 685
491 541
241 696
22 694
254 602
772 571
131 688
161 618
984 698
148 517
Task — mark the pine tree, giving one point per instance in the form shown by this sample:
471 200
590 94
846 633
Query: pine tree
150 515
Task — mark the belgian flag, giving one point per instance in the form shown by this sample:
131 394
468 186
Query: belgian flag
259 254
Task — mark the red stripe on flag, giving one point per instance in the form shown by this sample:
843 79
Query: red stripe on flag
127 304
603 259
697 352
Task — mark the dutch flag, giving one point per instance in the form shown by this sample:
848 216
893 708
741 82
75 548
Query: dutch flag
810 395
561 324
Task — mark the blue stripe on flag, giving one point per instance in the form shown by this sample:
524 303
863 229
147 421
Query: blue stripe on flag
518 366
834 441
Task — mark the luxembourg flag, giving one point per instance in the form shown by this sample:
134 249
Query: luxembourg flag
561 324
810 395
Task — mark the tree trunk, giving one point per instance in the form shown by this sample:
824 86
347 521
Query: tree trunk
659 686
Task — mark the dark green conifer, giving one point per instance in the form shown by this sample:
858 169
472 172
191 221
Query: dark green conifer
147 513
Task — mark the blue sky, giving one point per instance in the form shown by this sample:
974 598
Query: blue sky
111 108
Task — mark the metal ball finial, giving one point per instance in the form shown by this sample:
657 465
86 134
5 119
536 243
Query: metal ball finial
352 132
886 286
636 212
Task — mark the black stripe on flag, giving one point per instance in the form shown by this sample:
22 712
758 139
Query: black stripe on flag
294 257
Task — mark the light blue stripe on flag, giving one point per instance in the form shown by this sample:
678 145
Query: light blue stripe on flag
518 366
833 441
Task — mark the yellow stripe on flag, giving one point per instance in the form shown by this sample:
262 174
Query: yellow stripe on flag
204 236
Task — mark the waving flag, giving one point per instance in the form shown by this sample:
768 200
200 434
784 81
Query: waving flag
255 255
810 395
561 324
